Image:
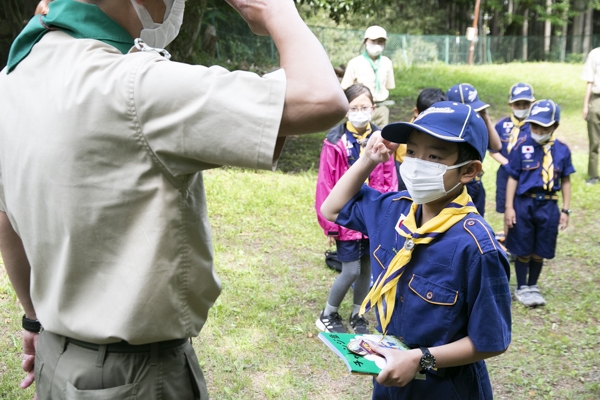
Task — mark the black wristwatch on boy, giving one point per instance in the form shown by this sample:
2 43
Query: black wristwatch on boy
566 211
427 360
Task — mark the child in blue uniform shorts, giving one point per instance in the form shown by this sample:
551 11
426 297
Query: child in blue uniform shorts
441 277
467 94
539 167
510 129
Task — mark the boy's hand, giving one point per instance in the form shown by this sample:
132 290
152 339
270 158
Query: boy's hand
564 221
378 149
510 219
401 366
257 12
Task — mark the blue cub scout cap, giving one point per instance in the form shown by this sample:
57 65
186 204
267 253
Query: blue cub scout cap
544 113
446 120
521 91
466 94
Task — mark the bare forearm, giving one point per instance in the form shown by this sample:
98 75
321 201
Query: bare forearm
458 353
566 192
588 94
348 185
499 157
314 100
494 138
16 264
511 189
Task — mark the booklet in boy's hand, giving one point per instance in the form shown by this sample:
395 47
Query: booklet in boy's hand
361 359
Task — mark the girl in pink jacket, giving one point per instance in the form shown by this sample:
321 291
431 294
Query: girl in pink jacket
341 148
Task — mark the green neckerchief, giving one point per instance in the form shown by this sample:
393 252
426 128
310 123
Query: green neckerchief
375 66
79 20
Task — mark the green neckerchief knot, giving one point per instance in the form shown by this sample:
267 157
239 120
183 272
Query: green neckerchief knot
375 66
79 20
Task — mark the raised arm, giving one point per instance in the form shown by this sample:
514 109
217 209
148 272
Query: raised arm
377 151
314 100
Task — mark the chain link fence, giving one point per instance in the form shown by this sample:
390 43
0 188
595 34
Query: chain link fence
237 44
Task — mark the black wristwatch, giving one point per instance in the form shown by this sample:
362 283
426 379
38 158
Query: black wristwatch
427 360
564 210
31 325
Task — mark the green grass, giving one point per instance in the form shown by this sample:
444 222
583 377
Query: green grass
260 339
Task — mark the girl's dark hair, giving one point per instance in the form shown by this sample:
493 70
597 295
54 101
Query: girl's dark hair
356 90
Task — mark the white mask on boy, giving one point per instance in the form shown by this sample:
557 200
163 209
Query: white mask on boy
374 50
520 113
541 138
156 34
359 119
424 180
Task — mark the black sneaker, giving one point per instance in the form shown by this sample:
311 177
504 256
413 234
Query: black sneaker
359 324
593 181
331 323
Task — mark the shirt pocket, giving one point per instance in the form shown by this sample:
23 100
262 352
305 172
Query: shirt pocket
528 165
428 312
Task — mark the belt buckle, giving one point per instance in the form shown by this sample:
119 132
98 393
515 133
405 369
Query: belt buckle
540 196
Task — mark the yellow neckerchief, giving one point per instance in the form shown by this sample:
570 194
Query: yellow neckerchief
360 139
514 133
548 163
383 292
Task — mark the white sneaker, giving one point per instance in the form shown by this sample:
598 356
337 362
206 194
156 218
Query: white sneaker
534 293
523 296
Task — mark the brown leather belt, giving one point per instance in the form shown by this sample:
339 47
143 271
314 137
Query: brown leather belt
124 347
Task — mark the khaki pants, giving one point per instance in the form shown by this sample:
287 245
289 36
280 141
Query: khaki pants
593 123
381 116
66 371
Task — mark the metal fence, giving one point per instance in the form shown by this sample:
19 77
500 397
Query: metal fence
238 44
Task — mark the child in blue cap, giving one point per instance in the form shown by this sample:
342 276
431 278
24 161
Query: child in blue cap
539 168
467 94
510 129
441 276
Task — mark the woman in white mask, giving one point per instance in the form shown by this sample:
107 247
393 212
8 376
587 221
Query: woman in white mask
510 130
342 147
373 70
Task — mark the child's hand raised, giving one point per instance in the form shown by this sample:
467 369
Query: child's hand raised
378 149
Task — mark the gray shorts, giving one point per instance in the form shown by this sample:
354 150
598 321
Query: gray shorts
67 371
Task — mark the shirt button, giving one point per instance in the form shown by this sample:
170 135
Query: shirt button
401 338
471 223
429 295
401 299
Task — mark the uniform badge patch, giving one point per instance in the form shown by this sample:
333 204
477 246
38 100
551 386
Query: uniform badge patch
508 125
399 223
527 149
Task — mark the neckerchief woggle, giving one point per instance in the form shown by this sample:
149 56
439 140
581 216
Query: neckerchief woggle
375 66
383 293
514 132
548 163
79 20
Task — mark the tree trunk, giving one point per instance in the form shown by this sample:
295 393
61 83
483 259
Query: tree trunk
563 32
547 29
184 47
587 32
525 30
577 29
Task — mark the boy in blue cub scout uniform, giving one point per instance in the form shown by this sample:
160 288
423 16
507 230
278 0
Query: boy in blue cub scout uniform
467 94
540 166
441 277
510 129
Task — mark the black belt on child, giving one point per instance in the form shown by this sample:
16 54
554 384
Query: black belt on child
543 195
124 347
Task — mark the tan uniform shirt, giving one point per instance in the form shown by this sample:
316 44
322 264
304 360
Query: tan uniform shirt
591 70
359 70
100 160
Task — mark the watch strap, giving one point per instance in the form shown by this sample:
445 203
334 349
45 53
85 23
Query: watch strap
31 325
566 211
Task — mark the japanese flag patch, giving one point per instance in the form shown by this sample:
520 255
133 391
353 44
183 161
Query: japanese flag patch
399 223
527 149
508 125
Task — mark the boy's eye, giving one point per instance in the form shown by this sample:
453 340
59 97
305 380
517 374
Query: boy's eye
409 151
434 157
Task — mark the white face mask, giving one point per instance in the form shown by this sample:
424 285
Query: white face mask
374 50
359 119
156 34
424 180
520 113
541 138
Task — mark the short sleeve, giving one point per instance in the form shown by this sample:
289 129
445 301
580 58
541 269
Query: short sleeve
588 68
193 117
488 301
568 168
349 78
514 163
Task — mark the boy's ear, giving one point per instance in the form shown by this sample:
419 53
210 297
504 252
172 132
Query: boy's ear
470 171
415 112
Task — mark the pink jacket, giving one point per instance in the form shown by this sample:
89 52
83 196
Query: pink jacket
333 164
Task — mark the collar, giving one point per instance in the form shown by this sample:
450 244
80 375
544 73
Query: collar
79 20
